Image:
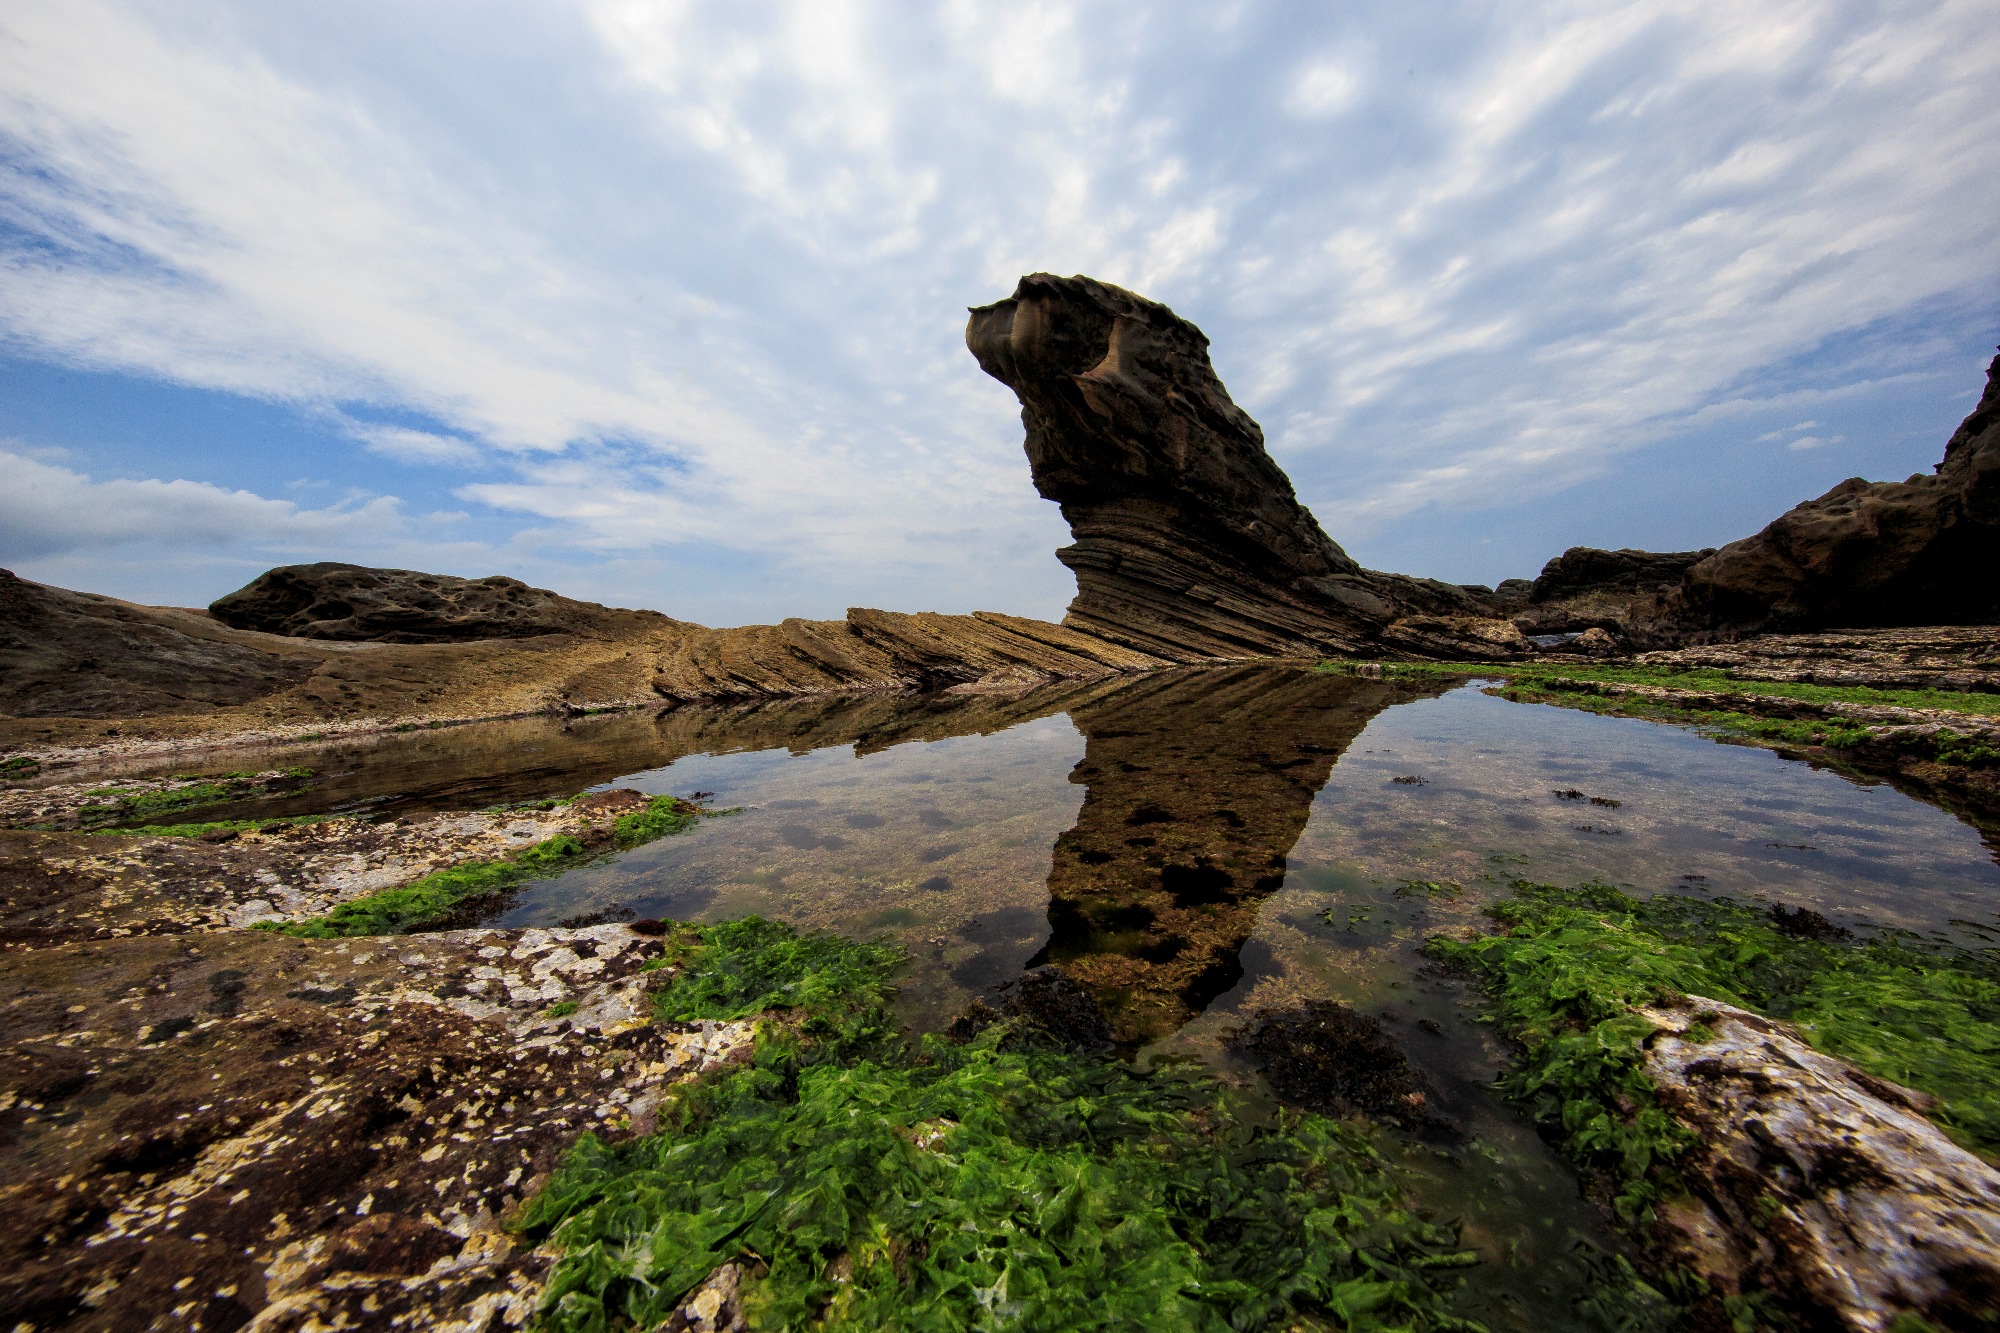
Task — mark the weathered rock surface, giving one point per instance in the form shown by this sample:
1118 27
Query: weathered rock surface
1585 588
1189 542
1818 1184
80 655
1916 552
239 1129
329 600
886 650
1941 657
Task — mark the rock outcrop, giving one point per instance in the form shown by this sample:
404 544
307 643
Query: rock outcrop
75 654
329 600
1818 1183
1586 588
887 650
1896 553
1189 542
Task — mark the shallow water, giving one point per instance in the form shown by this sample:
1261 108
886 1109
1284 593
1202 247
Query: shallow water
1197 845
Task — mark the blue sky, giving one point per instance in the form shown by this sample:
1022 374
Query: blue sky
662 304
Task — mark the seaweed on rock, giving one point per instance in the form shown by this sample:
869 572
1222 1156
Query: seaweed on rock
847 1180
1572 966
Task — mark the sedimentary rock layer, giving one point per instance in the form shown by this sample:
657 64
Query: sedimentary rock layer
1189 541
1587 588
1885 553
877 650
356 603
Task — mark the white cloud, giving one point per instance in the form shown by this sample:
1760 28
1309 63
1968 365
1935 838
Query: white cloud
46 510
685 276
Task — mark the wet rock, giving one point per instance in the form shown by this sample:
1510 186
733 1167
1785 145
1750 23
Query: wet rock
1189 541
351 1160
1047 1002
1915 552
1818 1184
716 1306
330 600
1325 1057
75 654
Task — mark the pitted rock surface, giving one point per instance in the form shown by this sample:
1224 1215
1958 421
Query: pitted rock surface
1189 541
330 600
1818 1183
67 886
241 1129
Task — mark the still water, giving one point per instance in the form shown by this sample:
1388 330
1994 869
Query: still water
1194 846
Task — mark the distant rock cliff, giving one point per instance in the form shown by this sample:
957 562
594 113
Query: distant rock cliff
1189 541
1885 553
329 600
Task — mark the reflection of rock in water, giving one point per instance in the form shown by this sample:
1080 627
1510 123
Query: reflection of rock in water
1200 783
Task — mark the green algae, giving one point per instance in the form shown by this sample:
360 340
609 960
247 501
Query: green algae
1709 680
213 826
1006 1182
1571 964
443 894
198 790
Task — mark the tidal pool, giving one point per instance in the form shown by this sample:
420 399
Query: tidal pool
1197 845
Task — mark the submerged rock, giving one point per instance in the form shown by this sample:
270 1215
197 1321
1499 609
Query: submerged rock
1325 1057
1045 1000
1189 541
329 600
1883 553
1817 1181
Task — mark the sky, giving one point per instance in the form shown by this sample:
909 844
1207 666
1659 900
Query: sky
662 304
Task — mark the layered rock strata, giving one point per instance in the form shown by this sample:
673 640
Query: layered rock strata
1189 541
1884 553
887 650
1198 783
355 603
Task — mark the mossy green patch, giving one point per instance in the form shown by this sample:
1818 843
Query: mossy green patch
438 895
1571 965
1003 1183
126 805
213 826
1706 679
442 894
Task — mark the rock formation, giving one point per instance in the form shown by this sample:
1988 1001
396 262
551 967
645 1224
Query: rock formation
329 600
75 654
1817 1183
1885 553
1189 542
1585 588
887 650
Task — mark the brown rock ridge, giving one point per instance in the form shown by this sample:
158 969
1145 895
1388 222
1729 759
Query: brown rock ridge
1884 553
355 603
1189 542
881 650
76 654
